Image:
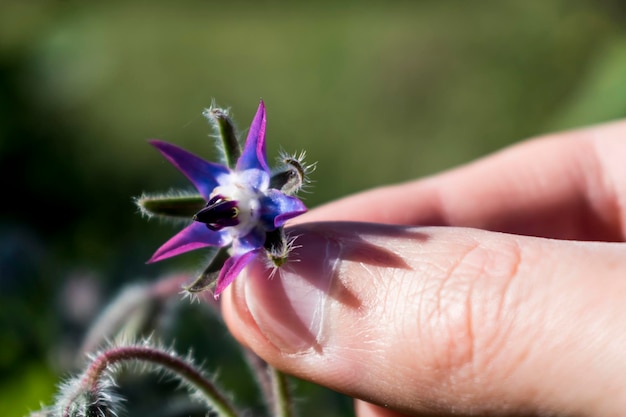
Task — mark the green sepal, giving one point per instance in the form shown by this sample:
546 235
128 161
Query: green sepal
206 280
277 247
291 177
288 181
175 206
226 133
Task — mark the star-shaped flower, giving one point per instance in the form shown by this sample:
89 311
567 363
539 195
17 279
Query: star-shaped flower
242 207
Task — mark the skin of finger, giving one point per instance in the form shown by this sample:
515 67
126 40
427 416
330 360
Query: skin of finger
570 185
477 323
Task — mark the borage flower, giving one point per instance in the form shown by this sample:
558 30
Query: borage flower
246 207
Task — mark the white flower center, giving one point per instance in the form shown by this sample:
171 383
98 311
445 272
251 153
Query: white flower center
236 186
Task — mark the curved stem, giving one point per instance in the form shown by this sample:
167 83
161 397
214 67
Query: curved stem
172 363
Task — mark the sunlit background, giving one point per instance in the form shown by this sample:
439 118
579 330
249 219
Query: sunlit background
376 92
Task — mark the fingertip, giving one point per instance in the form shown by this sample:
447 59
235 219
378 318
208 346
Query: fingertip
280 311
423 319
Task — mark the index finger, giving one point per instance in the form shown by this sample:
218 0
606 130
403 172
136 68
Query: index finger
569 185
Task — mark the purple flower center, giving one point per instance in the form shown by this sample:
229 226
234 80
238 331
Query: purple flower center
218 213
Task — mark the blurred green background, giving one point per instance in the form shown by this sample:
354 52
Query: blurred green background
376 92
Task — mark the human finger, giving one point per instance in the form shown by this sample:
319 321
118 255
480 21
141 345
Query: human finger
447 321
570 185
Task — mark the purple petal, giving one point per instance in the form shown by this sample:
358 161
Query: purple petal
231 269
281 219
253 155
278 208
201 173
194 236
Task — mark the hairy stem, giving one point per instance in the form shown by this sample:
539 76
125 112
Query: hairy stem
177 366
283 404
259 369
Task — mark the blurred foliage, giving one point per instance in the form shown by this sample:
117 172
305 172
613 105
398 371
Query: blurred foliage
376 92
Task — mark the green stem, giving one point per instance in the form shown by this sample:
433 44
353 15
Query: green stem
283 403
260 371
